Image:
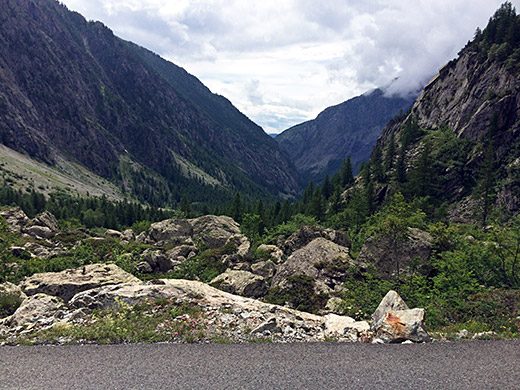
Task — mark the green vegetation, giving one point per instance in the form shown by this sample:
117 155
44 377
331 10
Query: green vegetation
300 293
159 320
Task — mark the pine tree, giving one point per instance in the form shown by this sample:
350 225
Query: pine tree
485 186
346 173
235 210
185 206
316 206
377 164
326 188
421 178
390 154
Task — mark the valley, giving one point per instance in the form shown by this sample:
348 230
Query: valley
130 194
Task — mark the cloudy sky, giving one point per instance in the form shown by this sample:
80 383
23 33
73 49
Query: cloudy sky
281 62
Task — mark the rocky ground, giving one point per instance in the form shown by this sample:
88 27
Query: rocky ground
224 309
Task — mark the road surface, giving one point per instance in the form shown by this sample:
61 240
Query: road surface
460 365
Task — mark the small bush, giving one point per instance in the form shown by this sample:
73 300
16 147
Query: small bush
8 304
300 294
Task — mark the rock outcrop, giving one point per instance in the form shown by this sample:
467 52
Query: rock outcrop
306 234
389 257
15 218
328 263
68 283
242 283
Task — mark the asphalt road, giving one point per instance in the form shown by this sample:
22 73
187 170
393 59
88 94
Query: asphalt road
462 365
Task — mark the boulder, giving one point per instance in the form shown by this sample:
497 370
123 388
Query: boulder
328 263
241 283
387 258
20 252
185 251
306 234
391 301
339 326
8 288
37 308
15 218
214 231
241 242
394 322
159 261
128 235
267 328
111 233
43 250
402 325
68 283
178 231
265 268
47 220
274 252
39 232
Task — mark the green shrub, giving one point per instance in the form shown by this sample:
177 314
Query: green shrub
300 294
8 304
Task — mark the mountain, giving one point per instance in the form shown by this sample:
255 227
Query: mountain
71 91
318 147
460 144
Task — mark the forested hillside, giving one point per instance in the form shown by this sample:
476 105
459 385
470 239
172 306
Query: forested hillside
72 91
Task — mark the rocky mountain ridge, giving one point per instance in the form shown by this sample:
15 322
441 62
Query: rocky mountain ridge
318 147
467 118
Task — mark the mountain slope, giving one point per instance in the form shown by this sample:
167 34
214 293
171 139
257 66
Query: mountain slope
72 90
319 146
466 124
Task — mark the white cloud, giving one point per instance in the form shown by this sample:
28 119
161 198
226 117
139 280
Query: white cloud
284 61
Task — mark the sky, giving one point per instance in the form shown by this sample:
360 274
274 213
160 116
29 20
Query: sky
282 62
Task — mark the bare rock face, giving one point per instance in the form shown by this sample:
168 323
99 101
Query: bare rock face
68 283
306 234
15 218
242 283
388 258
328 263
394 322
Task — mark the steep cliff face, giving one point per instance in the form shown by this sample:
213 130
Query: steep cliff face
318 147
72 90
475 102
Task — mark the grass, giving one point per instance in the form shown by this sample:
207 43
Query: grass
160 320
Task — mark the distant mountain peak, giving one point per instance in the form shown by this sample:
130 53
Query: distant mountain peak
318 147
